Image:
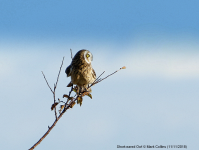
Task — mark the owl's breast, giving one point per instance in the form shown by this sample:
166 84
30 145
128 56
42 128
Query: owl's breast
82 75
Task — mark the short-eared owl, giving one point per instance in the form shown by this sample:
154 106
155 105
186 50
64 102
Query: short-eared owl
81 72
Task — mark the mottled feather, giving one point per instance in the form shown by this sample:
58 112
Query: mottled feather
81 72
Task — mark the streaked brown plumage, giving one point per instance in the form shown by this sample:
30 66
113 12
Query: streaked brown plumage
81 72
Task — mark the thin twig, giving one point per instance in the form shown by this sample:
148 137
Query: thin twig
55 107
59 72
50 128
55 86
67 106
57 118
107 76
62 102
47 82
96 79
68 98
71 53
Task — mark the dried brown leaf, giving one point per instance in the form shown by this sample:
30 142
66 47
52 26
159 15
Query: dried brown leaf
61 108
89 95
80 103
79 100
85 93
72 104
70 98
75 90
54 105
65 95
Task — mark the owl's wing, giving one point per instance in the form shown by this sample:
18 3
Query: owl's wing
93 73
68 70
68 73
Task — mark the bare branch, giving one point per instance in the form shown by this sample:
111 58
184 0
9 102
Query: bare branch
47 82
49 129
95 82
59 73
55 86
57 118
68 104
96 79
55 107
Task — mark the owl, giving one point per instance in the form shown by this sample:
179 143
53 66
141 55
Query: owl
81 72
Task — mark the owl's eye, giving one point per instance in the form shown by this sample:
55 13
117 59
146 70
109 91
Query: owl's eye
87 55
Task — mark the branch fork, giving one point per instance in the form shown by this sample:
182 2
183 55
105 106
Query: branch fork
70 102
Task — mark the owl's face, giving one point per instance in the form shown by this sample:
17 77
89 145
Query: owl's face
88 56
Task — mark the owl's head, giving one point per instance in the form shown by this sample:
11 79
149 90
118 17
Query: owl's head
88 57
84 56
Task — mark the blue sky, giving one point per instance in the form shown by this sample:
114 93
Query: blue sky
118 21
154 101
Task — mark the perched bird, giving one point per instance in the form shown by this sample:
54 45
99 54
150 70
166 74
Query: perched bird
81 72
